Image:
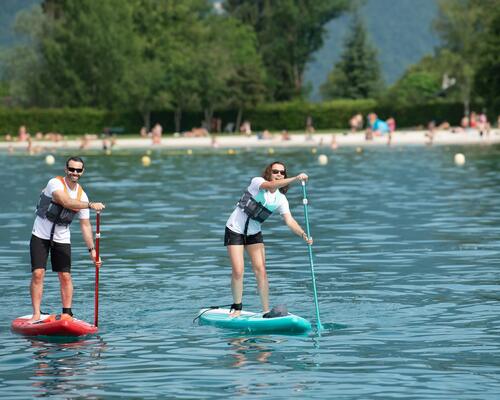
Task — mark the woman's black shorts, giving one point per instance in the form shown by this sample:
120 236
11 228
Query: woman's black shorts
237 239
60 254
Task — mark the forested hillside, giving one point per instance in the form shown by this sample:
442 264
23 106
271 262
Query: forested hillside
8 11
401 30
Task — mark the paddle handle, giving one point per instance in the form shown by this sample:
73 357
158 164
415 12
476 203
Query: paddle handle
96 290
311 261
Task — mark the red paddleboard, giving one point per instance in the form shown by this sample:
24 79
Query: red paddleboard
49 325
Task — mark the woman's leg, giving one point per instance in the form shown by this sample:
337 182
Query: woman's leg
258 256
238 266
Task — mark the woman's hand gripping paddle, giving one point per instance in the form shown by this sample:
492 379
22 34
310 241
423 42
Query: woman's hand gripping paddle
96 293
305 202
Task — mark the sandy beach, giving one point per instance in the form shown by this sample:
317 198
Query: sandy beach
333 140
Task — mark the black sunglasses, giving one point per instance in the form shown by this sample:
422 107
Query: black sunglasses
279 171
71 169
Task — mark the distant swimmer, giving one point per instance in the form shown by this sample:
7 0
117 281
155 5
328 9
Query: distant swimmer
60 202
265 195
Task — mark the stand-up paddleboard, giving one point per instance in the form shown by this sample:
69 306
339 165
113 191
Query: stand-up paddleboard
253 322
49 325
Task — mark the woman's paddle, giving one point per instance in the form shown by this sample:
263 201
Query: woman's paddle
96 293
305 202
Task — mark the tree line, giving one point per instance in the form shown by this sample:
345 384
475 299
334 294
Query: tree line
151 55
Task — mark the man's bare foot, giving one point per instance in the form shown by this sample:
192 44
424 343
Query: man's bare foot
34 318
235 313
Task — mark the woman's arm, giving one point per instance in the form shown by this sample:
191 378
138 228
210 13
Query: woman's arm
296 228
273 185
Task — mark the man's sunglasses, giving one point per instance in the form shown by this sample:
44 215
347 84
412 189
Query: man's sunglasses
78 170
279 171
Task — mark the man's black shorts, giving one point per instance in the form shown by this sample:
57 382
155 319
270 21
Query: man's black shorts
236 239
60 254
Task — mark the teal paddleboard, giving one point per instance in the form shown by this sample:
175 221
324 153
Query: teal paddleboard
253 322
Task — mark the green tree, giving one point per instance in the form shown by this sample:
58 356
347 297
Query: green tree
167 71
487 78
459 25
288 33
23 63
430 79
357 74
246 78
79 53
87 52
231 72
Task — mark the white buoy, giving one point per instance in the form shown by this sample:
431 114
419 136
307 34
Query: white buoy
314 150
459 159
189 152
146 161
270 150
322 159
359 150
49 159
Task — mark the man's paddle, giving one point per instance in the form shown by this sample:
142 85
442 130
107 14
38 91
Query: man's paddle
305 202
96 293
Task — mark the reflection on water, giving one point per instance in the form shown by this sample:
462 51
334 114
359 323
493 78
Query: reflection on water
250 350
59 365
406 259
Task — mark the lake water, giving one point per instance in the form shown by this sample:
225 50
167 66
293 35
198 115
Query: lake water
407 257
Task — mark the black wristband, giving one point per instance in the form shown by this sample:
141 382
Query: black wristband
90 203
90 250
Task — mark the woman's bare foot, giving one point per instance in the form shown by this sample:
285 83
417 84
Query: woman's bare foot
235 310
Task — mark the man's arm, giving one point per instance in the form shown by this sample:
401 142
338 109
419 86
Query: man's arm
62 198
88 238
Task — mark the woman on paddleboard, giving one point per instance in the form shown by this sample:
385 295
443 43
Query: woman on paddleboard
265 195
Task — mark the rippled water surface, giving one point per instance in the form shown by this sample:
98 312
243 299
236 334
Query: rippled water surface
407 255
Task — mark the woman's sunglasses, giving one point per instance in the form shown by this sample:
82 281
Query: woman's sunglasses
78 170
279 171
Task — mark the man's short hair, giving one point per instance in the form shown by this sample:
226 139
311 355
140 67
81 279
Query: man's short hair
76 159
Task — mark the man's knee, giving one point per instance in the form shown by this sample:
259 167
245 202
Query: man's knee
37 275
65 277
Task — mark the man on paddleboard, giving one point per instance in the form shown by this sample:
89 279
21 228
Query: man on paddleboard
265 195
60 202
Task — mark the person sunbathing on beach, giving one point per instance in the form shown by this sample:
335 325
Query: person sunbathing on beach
264 135
156 133
377 126
196 132
23 134
356 122
285 135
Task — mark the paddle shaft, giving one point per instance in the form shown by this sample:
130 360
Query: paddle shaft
96 293
311 262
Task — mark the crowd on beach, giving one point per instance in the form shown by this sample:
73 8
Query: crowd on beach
34 142
372 126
